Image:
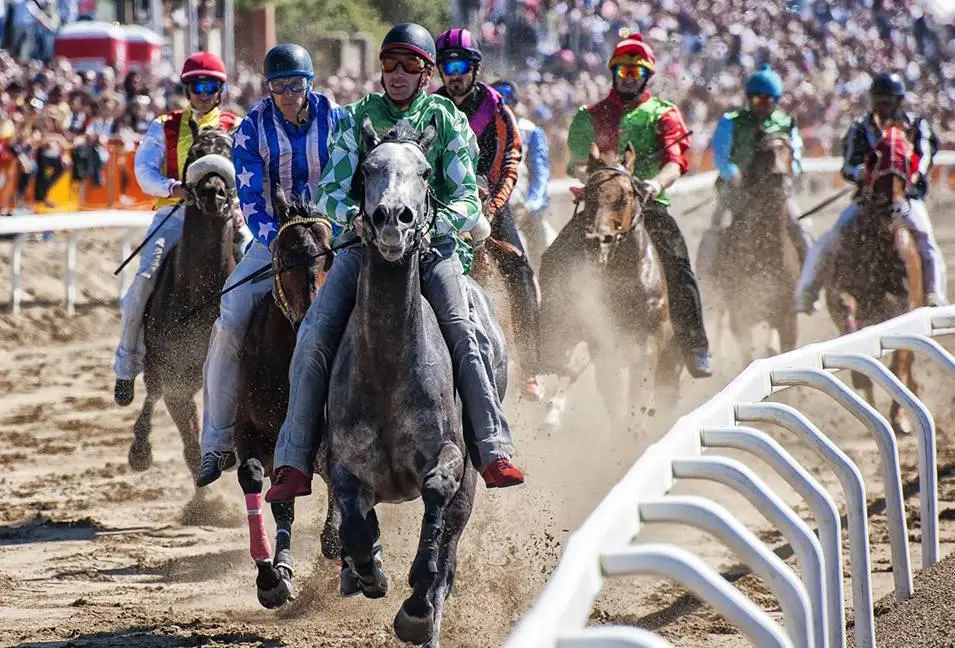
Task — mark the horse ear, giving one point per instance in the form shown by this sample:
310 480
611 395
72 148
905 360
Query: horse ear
594 157
629 157
281 204
370 134
429 135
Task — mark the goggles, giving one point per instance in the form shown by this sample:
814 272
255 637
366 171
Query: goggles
456 67
506 92
624 71
410 64
297 84
762 100
204 86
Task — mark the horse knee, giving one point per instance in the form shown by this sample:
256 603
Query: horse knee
251 476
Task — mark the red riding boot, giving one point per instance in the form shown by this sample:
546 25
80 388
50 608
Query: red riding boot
288 484
501 473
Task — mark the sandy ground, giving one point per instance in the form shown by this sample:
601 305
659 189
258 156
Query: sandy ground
92 554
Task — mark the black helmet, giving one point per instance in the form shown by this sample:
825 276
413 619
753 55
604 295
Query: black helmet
887 84
288 60
507 90
412 38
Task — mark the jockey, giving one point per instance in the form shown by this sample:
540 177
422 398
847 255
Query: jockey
499 140
158 165
887 93
407 58
655 128
530 191
734 143
284 141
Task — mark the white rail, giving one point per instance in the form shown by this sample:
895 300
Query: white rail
19 226
603 546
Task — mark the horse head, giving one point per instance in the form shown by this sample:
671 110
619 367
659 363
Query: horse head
612 202
771 168
303 235
395 172
888 173
210 174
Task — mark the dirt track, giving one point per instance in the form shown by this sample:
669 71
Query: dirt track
92 554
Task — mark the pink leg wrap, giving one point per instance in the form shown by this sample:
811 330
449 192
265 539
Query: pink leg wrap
259 545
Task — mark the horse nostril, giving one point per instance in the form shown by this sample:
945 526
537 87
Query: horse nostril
608 238
405 216
378 217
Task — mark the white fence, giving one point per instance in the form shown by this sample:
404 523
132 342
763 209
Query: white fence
813 606
19 226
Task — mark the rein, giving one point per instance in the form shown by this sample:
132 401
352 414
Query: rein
277 289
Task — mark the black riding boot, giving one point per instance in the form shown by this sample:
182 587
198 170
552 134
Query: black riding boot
685 306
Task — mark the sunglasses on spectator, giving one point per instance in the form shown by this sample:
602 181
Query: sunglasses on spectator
631 72
296 84
456 67
762 100
204 86
410 64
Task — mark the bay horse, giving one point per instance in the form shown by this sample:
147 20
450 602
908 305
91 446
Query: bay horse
602 283
191 275
876 271
757 268
264 361
396 431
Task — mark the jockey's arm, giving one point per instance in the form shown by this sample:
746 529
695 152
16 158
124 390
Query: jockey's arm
538 163
458 159
509 152
925 145
333 194
853 152
150 163
795 141
580 136
722 145
672 138
249 171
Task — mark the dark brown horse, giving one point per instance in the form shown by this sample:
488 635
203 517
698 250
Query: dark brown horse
264 362
602 283
876 272
191 275
757 268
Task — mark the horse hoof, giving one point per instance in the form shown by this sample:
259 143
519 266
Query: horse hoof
140 456
377 589
348 582
278 596
414 630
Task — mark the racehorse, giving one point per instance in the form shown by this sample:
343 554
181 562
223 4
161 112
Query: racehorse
264 361
602 283
876 272
757 267
190 276
396 432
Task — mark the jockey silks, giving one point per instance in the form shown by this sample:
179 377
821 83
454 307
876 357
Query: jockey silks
737 132
649 126
178 138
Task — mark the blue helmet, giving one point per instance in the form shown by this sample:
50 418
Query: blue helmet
288 60
765 82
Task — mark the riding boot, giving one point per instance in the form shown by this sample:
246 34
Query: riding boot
522 292
684 293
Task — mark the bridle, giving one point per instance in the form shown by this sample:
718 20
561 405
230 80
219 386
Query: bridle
638 204
277 290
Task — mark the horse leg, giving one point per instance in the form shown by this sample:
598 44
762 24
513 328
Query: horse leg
273 589
608 373
182 409
415 621
743 335
902 368
849 307
331 541
140 450
568 376
787 326
361 559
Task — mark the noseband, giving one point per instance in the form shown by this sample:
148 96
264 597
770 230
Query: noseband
280 297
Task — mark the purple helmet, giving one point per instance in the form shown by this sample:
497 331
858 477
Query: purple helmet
458 43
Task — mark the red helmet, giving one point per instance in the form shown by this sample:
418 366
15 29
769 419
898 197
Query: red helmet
633 51
203 64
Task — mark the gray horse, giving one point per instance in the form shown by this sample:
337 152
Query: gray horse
395 429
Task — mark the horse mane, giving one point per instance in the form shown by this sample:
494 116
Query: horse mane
209 141
403 131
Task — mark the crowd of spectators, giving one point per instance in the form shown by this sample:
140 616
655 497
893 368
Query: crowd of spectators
54 118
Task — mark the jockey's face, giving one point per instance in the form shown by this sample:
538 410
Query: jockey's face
761 105
458 76
630 79
203 94
289 94
885 106
402 75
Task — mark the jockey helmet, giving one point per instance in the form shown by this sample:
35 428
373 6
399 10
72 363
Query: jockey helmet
409 38
457 44
288 60
203 65
507 91
633 51
887 84
765 82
